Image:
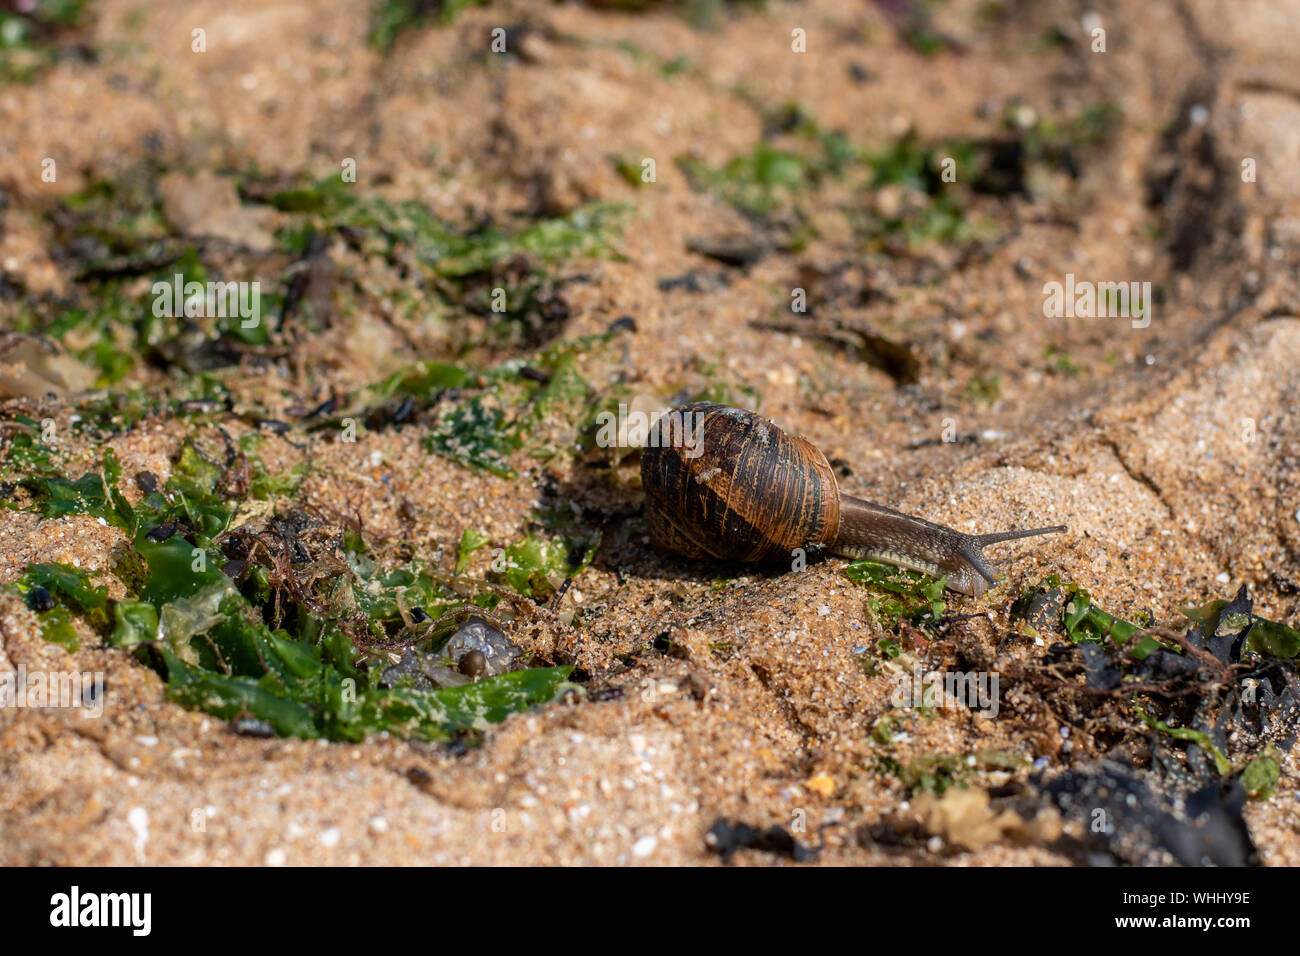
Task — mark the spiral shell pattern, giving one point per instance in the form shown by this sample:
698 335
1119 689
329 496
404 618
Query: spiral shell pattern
726 483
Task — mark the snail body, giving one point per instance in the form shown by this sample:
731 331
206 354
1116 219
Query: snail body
726 483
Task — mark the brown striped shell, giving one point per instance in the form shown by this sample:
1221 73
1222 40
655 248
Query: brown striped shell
726 483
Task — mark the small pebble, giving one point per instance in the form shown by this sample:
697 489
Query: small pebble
473 664
40 599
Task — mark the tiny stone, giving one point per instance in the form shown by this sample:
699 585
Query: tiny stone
40 599
473 664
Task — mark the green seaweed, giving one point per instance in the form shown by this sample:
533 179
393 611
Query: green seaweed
1060 363
537 566
936 773
630 168
264 486
112 329
94 493
931 210
904 197
1219 618
1199 737
408 229
499 272
71 588
984 389
220 645
510 412
30 35
24 455
470 541
1262 774
115 231
389 19
1084 621
473 433
909 595
770 183
1273 639
193 474
758 182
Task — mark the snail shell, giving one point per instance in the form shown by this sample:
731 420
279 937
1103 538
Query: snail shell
736 488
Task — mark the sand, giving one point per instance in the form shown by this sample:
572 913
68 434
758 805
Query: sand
1170 451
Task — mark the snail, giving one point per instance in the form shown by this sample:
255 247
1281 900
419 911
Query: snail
725 483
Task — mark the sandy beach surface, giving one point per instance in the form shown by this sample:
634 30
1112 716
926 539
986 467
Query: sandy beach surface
704 691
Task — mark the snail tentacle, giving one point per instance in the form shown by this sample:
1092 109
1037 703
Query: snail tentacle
869 530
